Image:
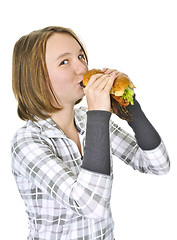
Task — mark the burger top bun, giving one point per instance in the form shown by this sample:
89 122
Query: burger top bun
88 75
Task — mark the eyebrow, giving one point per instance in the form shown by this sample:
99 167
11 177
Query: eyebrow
66 54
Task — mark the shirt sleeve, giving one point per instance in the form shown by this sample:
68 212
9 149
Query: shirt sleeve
126 148
87 194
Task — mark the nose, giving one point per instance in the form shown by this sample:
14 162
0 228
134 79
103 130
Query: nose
80 67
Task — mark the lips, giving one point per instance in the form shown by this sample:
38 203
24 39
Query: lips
81 83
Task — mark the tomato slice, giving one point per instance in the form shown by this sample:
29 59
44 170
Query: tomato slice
120 100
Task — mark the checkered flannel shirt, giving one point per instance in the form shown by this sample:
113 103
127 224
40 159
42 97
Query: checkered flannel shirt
64 201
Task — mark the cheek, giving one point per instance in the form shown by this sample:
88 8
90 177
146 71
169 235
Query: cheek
60 81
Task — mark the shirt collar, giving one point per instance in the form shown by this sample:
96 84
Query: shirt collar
80 118
50 129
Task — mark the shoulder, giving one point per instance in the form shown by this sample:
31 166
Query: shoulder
28 127
28 130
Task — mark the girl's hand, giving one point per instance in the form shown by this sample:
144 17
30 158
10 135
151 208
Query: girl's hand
110 71
97 91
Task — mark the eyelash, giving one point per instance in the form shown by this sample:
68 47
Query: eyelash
82 58
62 63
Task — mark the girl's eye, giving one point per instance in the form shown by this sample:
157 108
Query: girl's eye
82 56
64 62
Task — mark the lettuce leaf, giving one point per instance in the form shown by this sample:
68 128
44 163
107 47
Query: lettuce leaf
128 95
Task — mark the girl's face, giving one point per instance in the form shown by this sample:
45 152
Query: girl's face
66 67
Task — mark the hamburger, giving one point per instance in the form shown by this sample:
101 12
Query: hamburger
121 93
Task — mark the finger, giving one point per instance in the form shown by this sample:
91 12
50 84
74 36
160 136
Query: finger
110 71
93 79
110 82
104 69
101 81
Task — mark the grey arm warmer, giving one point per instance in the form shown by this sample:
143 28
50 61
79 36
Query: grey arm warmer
145 134
97 146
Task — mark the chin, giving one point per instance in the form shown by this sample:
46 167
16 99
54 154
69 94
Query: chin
79 97
81 93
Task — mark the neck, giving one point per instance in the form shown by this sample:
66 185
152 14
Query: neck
64 118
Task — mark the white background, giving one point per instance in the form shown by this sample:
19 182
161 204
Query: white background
137 37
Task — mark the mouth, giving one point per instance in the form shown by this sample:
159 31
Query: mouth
81 84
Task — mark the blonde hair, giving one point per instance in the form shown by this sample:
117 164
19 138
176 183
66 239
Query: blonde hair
30 79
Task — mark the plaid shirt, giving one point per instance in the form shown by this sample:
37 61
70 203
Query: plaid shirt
64 201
